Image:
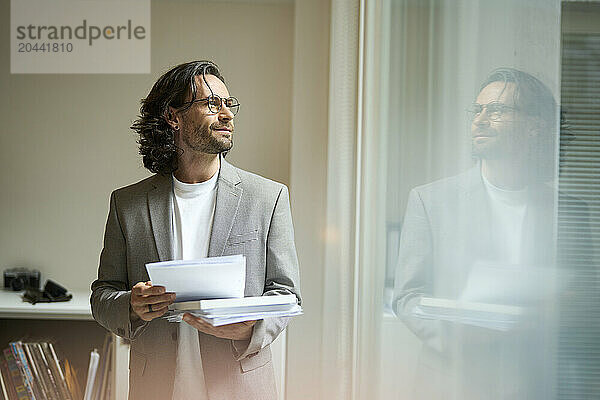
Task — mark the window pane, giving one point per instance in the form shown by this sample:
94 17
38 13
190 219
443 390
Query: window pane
490 215
579 202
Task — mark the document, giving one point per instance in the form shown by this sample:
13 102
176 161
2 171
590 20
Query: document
250 304
207 278
491 316
231 319
497 296
228 311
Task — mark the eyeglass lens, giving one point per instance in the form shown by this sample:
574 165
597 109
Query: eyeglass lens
215 102
495 111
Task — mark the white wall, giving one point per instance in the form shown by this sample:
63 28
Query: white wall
66 144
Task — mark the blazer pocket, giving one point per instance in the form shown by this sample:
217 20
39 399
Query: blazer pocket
256 360
243 238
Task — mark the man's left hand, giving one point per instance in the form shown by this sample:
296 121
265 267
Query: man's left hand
237 331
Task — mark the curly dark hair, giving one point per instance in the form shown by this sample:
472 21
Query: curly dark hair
156 137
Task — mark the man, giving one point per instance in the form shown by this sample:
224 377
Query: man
487 236
196 205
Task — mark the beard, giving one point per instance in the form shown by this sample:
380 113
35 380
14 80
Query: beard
207 140
491 144
488 151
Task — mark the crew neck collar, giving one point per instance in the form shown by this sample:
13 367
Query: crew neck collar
183 189
511 197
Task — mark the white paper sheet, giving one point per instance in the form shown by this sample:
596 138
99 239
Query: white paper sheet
207 278
233 318
250 303
297 310
490 316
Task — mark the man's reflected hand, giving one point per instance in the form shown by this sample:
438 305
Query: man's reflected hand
237 331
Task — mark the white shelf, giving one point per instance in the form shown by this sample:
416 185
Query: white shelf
78 308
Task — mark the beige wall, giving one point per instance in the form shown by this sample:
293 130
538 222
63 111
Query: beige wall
308 191
66 144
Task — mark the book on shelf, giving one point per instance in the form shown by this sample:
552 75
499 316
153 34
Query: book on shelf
72 381
56 370
41 371
32 371
35 380
21 361
9 391
51 382
16 377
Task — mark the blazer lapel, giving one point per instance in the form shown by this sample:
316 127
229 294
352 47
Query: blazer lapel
229 194
159 208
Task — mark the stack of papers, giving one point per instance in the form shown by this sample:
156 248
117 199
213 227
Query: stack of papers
213 289
207 278
492 316
219 312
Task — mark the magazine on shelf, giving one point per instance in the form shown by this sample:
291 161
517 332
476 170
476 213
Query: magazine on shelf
32 371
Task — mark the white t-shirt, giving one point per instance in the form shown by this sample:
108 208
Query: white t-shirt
508 208
193 213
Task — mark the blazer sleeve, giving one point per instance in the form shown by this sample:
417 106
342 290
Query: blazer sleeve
414 272
282 276
110 299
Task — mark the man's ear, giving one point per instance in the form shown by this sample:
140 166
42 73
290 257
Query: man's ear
172 118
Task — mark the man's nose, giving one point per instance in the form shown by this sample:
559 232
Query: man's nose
225 114
481 118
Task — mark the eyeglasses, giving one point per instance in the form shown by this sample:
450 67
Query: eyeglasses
215 103
494 111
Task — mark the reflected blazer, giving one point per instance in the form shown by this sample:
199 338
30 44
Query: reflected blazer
252 217
448 228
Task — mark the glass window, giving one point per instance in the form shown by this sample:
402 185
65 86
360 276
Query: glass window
488 144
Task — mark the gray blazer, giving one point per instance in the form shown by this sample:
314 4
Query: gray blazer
253 218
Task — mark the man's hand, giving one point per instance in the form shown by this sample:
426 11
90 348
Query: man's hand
238 331
149 302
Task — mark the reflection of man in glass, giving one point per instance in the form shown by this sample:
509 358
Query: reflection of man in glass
513 130
485 237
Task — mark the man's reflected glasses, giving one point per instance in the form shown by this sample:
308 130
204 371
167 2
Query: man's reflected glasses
494 111
215 103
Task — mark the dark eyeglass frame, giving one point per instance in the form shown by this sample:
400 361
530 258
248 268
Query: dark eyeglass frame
494 110
233 106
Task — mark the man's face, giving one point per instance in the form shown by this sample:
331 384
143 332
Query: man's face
203 131
499 130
